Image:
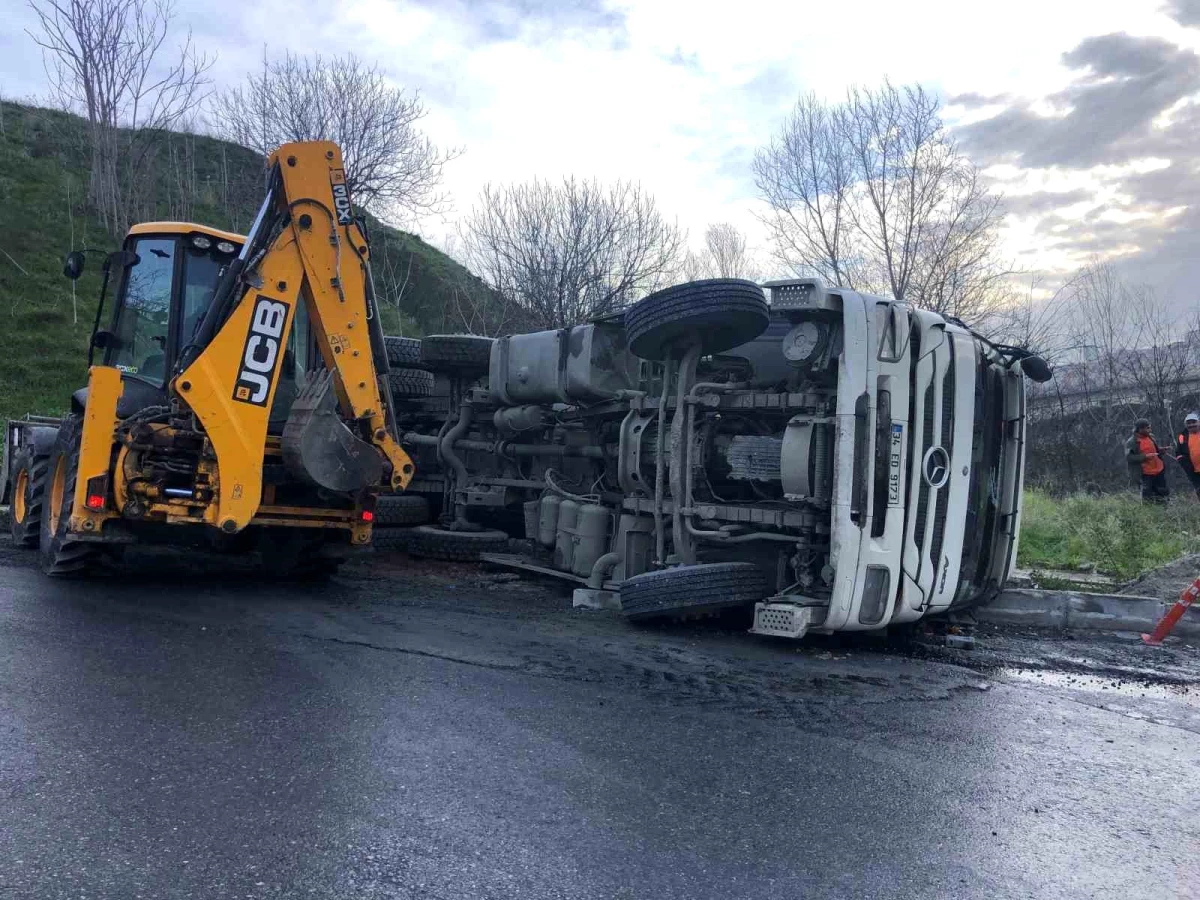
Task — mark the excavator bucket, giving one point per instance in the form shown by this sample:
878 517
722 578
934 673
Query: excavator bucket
318 446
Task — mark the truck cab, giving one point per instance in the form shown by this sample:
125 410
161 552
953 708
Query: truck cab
928 455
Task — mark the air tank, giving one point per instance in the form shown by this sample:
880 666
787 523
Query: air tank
548 520
591 534
564 544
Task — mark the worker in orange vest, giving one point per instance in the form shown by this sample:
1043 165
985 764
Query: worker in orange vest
1145 456
1187 449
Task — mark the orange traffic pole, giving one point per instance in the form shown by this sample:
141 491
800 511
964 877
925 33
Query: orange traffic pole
1174 614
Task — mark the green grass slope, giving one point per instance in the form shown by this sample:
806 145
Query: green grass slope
45 325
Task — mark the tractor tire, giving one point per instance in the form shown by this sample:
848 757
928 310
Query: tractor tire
28 496
401 509
61 553
722 313
402 351
407 384
461 354
690 590
432 542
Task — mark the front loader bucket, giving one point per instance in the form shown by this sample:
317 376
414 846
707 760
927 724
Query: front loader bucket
319 448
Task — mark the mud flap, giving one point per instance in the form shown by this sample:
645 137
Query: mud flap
319 448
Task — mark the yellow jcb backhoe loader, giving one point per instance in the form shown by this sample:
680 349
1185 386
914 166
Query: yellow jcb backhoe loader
242 400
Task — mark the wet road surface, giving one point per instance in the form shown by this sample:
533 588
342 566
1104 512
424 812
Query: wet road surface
409 731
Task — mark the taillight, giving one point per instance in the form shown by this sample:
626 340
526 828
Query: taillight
97 488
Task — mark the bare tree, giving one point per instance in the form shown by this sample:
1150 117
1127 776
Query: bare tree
1035 320
728 252
807 176
1163 359
108 59
872 194
391 166
561 253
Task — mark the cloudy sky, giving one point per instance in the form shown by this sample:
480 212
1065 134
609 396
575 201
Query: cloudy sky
1085 112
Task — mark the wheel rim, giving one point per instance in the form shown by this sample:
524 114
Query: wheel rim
18 506
57 488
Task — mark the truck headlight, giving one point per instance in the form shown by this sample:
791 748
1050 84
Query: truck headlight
200 242
874 595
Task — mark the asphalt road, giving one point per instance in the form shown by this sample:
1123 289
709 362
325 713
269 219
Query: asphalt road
438 733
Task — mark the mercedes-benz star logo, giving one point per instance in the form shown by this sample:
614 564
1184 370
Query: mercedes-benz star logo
936 467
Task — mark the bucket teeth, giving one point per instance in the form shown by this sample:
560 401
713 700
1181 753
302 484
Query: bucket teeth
319 448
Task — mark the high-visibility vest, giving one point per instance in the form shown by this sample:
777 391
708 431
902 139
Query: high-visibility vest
1192 441
1151 465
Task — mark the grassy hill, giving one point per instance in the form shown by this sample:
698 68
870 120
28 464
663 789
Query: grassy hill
45 321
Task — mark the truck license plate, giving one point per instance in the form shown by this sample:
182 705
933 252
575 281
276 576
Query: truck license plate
894 454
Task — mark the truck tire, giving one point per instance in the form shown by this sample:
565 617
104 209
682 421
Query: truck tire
386 540
722 313
463 354
432 542
407 384
28 494
688 590
401 509
402 351
61 553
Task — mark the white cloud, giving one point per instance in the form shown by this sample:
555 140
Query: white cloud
674 93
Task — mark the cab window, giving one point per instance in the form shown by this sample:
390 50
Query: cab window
201 272
143 316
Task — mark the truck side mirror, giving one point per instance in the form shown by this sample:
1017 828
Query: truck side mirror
1036 369
73 265
102 340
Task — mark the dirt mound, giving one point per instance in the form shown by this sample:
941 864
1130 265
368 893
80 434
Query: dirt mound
1165 582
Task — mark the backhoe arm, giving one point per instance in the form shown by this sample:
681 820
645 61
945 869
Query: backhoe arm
304 248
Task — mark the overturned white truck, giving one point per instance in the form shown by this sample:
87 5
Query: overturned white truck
835 461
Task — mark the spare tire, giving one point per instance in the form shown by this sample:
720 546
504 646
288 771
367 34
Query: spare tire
722 313
402 351
686 590
401 509
408 383
433 542
458 353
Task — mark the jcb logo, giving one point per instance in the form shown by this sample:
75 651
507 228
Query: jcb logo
260 356
341 196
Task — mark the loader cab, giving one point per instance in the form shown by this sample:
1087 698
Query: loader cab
172 272
169 277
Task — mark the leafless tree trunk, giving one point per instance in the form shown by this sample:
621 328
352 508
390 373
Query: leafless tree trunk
392 168
561 253
872 194
107 60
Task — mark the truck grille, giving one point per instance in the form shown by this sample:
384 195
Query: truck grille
943 498
922 512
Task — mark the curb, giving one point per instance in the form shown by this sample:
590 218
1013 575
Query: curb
1075 609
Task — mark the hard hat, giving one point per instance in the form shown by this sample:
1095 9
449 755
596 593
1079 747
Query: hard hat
1192 417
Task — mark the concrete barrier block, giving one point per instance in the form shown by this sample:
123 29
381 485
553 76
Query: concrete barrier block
1075 609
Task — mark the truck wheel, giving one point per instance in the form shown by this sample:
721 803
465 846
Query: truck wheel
401 509
432 542
61 553
28 494
722 313
464 354
687 590
409 383
402 351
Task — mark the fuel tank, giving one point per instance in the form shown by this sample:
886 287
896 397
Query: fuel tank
586 363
